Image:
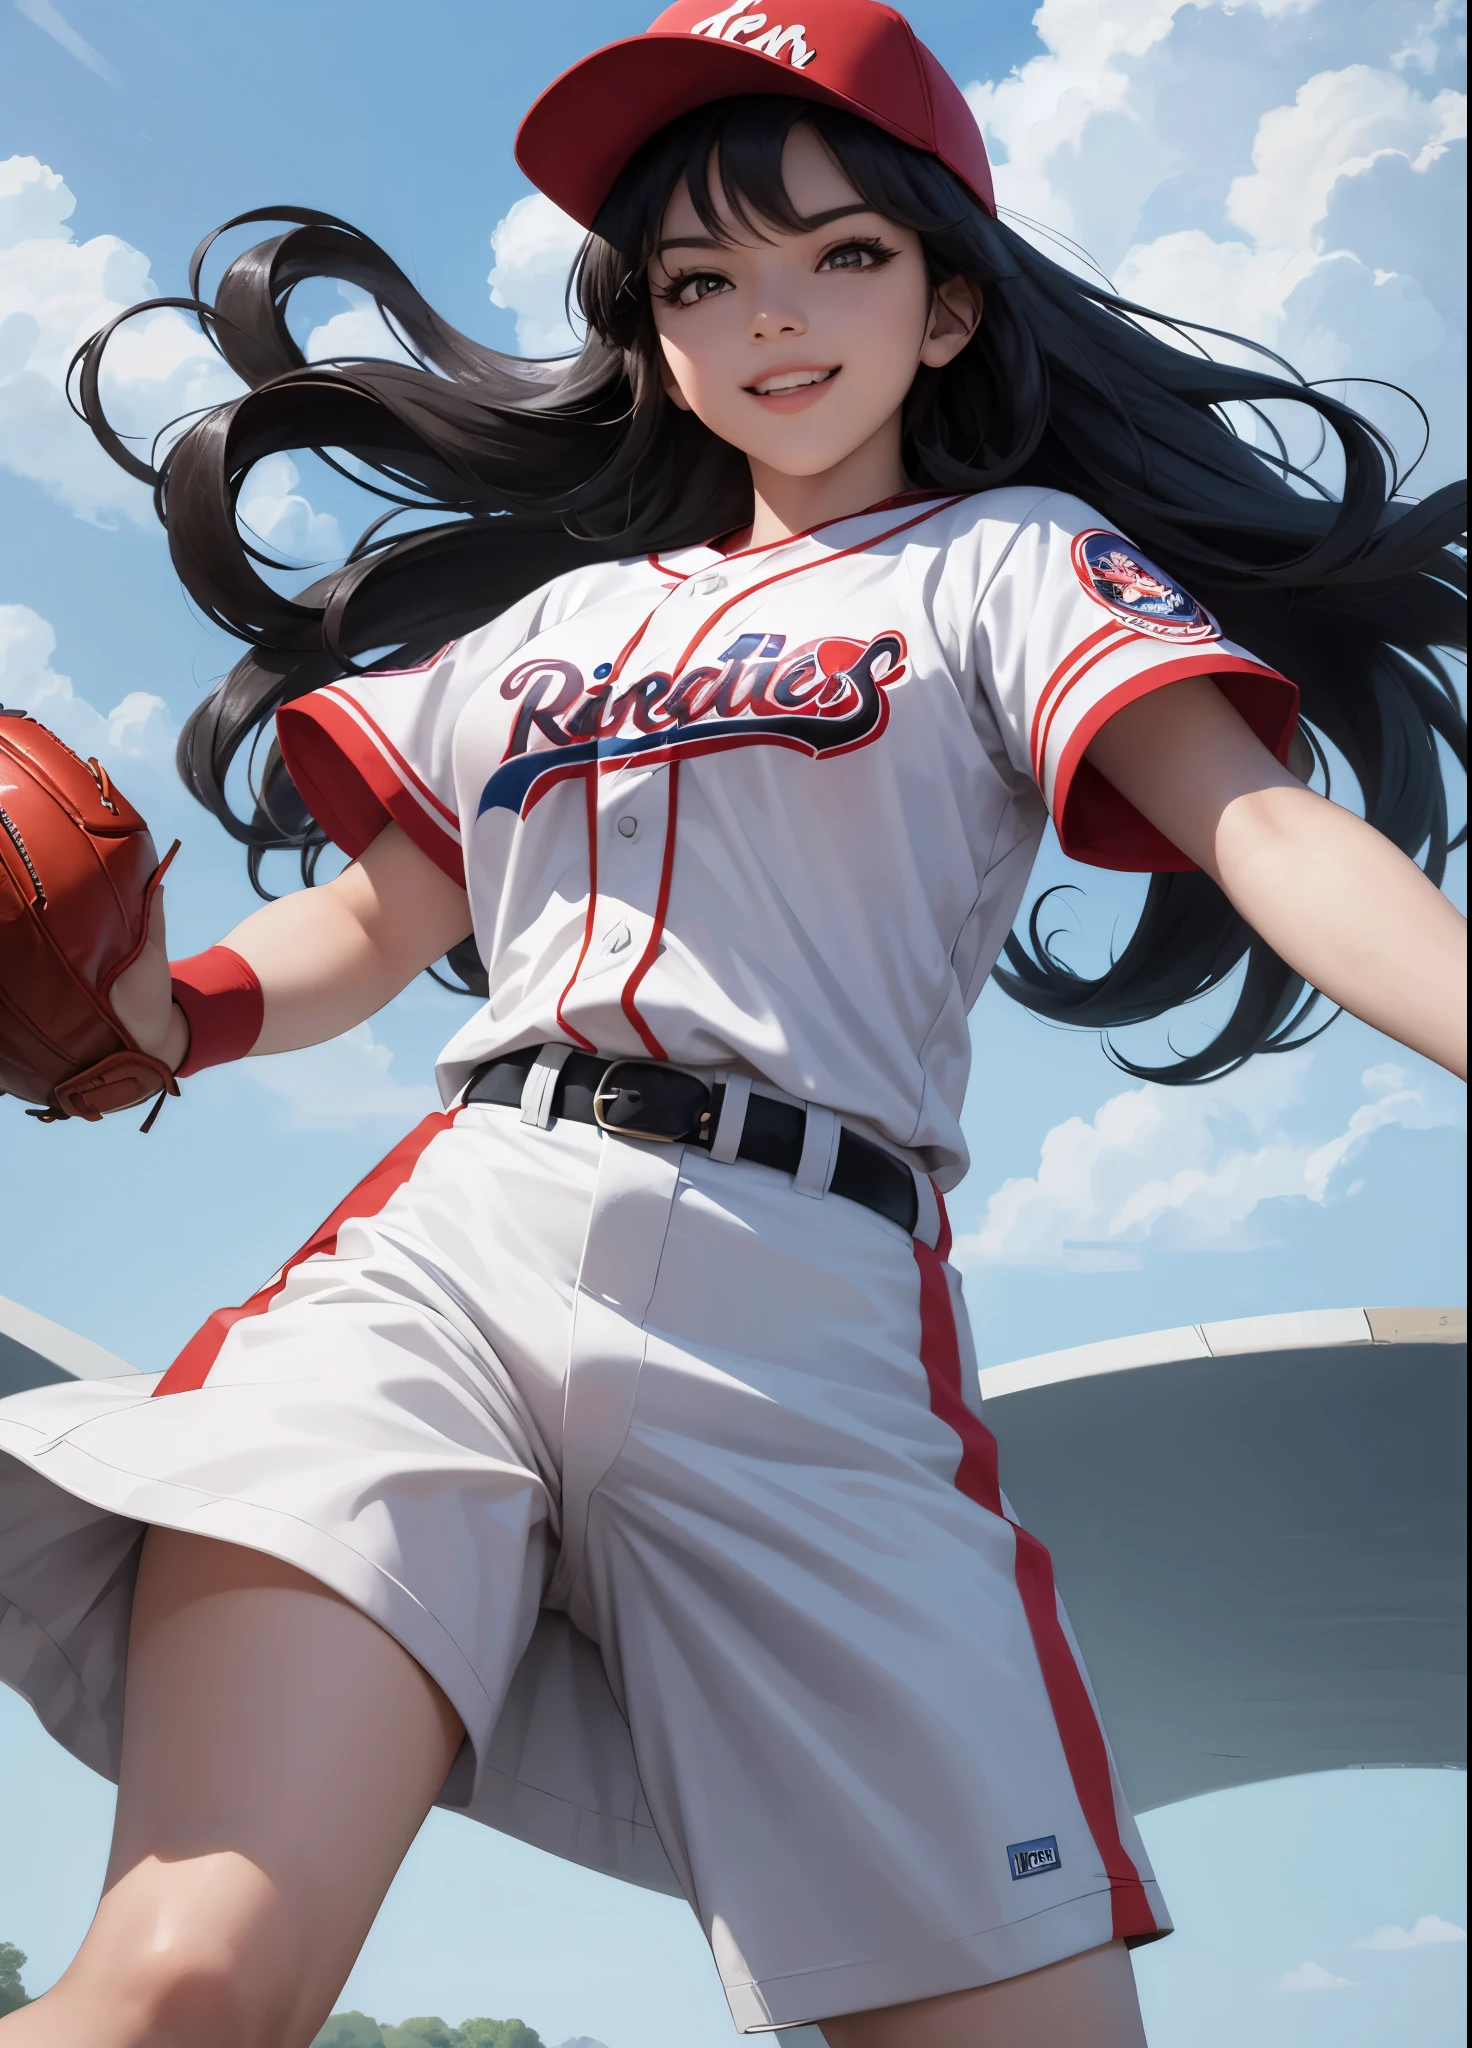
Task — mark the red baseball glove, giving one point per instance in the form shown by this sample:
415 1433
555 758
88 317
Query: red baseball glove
78 874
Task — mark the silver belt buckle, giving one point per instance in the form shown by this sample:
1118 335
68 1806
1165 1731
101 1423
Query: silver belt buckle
608 1090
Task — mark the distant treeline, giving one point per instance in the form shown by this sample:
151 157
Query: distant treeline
357 2030
12 1991
347 2029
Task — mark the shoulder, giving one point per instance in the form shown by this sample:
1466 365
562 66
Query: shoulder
994 518
977 545
1007 546
967 540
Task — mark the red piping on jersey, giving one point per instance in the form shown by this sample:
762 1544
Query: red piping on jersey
590 808
1073 1711
590 776
1152 844
786 540
410 774
1121 633
192 1367
651 952
859 547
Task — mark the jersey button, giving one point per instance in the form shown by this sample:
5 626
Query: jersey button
628 828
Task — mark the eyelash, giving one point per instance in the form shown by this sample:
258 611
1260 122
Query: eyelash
671 293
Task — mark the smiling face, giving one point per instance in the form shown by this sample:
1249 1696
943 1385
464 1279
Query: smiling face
799 348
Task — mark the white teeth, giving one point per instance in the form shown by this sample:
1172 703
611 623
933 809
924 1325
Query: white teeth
793 380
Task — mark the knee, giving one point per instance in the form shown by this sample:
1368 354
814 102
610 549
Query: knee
186 1994
190 1998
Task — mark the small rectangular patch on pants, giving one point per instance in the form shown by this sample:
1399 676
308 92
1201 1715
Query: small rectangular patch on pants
1031 1859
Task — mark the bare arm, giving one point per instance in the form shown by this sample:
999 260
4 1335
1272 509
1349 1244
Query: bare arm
326 958
1346 909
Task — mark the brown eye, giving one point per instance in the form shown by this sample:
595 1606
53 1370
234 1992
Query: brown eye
857 256
692 287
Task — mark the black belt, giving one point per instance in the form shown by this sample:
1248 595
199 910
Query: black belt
640 1099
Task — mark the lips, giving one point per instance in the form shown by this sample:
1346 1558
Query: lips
781 383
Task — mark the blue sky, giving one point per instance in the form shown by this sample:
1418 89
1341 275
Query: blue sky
1288 168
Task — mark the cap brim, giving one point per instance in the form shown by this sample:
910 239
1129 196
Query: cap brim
584 128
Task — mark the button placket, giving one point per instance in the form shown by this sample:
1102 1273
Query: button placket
632 809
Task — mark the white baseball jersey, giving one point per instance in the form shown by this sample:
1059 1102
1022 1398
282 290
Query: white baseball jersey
776 808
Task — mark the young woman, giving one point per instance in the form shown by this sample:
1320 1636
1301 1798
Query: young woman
607 1465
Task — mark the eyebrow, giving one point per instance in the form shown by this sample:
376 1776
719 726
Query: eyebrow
809 226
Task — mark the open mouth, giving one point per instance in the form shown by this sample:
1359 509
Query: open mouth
783 382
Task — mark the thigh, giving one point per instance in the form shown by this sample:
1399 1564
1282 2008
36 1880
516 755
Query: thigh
1086 2002
279 1753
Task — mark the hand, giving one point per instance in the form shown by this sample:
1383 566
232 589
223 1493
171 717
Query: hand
142 997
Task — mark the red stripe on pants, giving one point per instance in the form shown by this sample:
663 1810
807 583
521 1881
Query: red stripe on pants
192 1367
1073 1711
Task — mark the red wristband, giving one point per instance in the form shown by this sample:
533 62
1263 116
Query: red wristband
219 994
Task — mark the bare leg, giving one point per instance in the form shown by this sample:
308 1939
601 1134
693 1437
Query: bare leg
279 1754
1087 2002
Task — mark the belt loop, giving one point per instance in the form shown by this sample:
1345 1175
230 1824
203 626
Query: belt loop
820 1137
927 1219
725 1143
540 1085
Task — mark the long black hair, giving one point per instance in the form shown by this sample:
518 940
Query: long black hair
532 468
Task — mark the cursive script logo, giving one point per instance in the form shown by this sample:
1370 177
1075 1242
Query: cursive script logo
735 25
823 698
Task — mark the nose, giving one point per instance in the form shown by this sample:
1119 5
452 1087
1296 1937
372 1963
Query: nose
776 315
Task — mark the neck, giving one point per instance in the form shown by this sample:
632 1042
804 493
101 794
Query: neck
785 504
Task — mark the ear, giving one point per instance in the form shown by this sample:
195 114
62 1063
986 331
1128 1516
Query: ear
671 383
955 314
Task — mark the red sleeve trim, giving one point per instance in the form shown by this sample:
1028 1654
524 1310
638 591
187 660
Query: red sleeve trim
354 780
221 997
1095 823
1075 664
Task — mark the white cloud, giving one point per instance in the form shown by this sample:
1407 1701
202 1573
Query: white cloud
360 330
52 22
136 730
1339 124
1430 1931
1354 145
276 513
1039 114
1424 47
1346 201
534 246
327 1085
1181 1169
1313 1977
55 292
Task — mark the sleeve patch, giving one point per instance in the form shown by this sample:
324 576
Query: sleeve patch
1116 575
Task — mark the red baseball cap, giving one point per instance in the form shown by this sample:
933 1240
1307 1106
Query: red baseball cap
855 54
